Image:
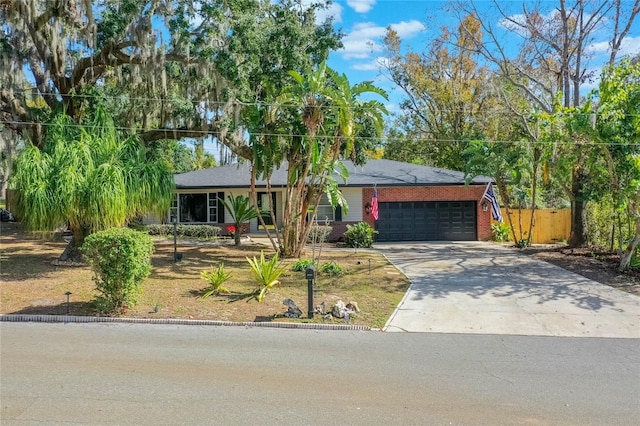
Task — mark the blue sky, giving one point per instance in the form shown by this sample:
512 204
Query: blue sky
417 21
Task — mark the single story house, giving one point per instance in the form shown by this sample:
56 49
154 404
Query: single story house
415 203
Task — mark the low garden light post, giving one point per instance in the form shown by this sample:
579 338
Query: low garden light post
176 255
68 293
310 274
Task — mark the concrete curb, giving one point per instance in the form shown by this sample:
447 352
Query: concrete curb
175 321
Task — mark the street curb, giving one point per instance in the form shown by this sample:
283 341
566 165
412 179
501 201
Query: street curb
175 321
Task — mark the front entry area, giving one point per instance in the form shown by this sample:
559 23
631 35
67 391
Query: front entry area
427 221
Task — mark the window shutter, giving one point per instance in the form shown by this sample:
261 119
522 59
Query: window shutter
220 207
338 214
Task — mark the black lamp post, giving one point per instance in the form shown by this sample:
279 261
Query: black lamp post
68 293
174 220
310 274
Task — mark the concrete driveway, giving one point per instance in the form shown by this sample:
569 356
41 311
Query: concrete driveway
485 288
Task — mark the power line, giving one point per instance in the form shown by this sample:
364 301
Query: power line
325 137
257 103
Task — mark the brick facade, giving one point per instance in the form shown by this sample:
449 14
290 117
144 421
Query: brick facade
434 193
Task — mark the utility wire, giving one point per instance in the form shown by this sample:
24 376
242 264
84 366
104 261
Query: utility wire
257 103
325 137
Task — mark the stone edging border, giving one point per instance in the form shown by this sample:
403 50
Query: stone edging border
175 321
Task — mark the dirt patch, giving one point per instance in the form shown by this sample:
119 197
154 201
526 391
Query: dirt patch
593 263
32 282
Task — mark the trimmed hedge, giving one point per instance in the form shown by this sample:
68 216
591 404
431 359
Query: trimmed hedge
185 231
121 260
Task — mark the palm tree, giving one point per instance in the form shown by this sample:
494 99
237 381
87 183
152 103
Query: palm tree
330 114
90 177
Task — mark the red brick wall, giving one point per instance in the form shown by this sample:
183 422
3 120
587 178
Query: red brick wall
434 193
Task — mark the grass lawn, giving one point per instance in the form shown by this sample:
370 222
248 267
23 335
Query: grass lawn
31 284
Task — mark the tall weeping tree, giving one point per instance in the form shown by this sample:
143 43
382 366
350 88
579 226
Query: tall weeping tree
90 177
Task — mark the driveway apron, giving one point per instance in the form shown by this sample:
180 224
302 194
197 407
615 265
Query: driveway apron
486 288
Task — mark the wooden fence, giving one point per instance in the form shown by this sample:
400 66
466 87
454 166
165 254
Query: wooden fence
549 226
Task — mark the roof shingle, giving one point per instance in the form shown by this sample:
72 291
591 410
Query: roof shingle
374 172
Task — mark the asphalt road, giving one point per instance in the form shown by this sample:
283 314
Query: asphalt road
157 375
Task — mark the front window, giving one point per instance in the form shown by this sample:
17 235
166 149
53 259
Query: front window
325 211
195 208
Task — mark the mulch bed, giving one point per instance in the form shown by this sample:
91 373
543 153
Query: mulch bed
591 262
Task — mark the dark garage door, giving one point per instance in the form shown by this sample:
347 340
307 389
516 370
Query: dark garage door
427 221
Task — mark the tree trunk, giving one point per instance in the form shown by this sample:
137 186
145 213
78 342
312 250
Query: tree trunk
72 252
628 253
625 260
536 159
578 236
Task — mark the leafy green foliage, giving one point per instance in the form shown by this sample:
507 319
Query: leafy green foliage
359 235
500 232
449 97
91 177
121 260
185 231
241 211
209 53
266 273
329 114
301 265
216 277
332 269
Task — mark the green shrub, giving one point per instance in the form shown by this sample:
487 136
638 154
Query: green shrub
120 259
266 273
500 232
359 235
301 265
332 269
159 229
185 231
215 278
319 233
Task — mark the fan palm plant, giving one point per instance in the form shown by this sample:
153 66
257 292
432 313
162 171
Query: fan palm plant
241 211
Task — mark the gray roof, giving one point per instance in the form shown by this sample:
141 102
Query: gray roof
378 172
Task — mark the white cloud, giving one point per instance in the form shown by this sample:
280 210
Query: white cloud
333 11
359 49
408 29
518 23
365 37
599 47
361 6
375 65
630 46
361 42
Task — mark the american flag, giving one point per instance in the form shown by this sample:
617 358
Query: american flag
374 204
493 200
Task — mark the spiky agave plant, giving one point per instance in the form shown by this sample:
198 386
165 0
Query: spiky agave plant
215 278
266 273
